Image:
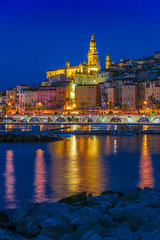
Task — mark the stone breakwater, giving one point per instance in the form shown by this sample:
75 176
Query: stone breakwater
134 215
27 137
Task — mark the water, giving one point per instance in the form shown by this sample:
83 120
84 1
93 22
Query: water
37 172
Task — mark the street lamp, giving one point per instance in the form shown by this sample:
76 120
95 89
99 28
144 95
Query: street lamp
145 103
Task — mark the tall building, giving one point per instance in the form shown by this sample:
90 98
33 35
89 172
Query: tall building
108 61
93 62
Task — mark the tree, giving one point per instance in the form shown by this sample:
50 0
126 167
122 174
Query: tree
139 103
83 106
110 105
152 101
125 107
68 100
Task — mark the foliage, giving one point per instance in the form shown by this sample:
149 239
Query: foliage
56 112
125 107
110 112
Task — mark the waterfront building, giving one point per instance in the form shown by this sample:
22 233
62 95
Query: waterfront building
129 95
86 95
27 100
152 89
111 96
102 95
11 98
62 94
45 96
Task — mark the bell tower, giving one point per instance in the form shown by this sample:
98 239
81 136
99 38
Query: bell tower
108 61
67 69
93 61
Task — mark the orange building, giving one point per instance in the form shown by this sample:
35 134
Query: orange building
111 95
11 98
86 95
62 93
152 89
129 94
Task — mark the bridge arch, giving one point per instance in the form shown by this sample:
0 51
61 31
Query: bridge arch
101 120
115 120
60 119
143 120
23 119
130 119
48 119
156 120
34 119
87 119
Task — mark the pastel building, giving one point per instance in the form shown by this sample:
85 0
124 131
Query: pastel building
11 98
153 89
87 95
61 94
46 96
27 99
111 95
129 95
102 96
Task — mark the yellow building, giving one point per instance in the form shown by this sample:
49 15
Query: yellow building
93 62
67 70
108 61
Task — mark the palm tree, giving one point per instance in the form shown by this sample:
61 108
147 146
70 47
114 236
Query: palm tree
125 107
110 105
83 106
152 100
68 100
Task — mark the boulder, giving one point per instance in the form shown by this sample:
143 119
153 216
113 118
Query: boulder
4 217
9 235
121 232
91 235
27 227
74 198
132 194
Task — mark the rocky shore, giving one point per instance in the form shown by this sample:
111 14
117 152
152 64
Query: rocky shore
29 136
134 215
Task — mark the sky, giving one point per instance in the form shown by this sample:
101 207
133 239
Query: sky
36 35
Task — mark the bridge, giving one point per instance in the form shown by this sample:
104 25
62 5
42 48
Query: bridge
109 118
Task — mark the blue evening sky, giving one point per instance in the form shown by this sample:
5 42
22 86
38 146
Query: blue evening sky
39 35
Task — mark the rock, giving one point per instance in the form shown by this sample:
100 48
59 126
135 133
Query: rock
9 235
133 213
152 198
27 227
4 217
91 235
59 227
151 226
75 198
121 232
109 200
132 195
42 211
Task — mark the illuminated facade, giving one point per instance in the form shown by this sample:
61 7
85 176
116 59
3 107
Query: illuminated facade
93 62
108 62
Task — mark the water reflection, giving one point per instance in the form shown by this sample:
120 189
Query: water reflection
40 177
77 165
9 181
145 166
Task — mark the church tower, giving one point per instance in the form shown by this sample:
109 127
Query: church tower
67 69
93 62
108 62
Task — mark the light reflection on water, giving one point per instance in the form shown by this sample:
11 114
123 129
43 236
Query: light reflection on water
80 163
40 177
9 181
145 166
